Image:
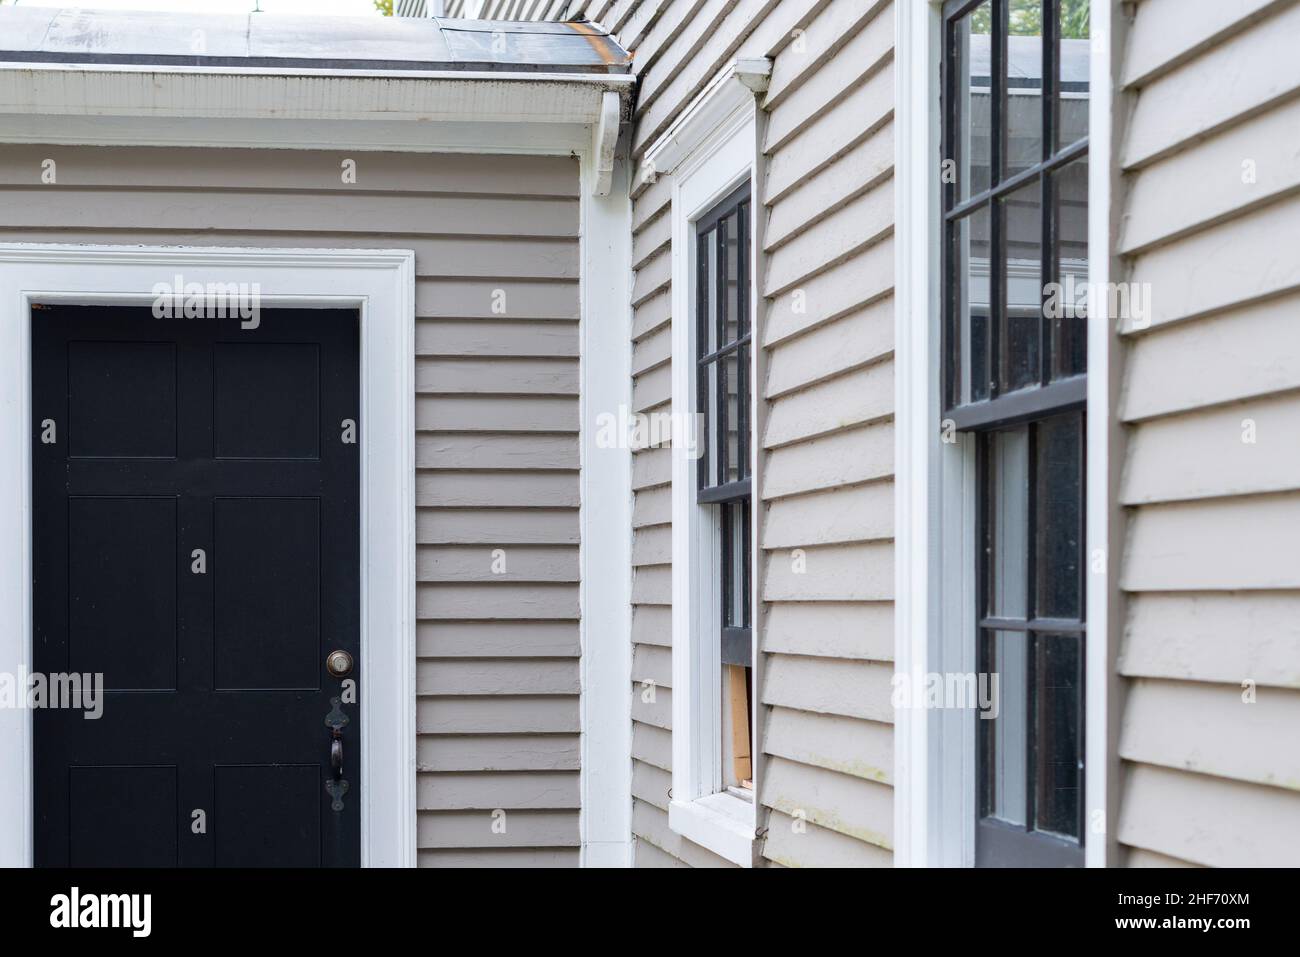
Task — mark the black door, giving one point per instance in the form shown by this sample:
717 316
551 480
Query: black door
196 541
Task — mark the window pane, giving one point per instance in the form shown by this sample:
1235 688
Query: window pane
1022 225
1024 83
731 230
709 279
735 564
1059 523
1004 766
974 242
1008 522
743 414
713 448
972 124
731 374
1070 316
1073 79
1056 731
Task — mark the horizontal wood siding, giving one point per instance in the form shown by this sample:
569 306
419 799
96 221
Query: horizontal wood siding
826 322
496 420
827 526
1210 654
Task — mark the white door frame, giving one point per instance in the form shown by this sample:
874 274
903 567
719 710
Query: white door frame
381 285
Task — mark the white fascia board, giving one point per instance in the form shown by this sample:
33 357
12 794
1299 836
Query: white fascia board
214 107
731 89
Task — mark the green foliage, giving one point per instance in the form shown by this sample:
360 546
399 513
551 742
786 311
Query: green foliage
385 7
1026 19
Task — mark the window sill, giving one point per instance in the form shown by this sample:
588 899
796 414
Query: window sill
721 823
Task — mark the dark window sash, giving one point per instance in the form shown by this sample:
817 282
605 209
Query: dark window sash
730 492
1023 405
737 646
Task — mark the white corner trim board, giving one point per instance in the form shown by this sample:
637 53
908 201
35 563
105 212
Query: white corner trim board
381 285
605 518
713 151
916 406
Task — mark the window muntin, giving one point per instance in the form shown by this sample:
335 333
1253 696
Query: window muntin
723 338
1014 345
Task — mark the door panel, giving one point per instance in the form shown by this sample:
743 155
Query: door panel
196 541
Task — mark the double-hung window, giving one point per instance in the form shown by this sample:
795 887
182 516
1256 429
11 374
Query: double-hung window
1015 123
711 155
723 345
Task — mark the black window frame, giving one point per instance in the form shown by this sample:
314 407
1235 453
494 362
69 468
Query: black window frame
998 843
734 496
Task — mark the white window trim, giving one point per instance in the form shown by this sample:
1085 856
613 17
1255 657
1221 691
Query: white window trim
934 764
381 284
709 151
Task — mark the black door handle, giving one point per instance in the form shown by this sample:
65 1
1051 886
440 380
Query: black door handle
336 754
336 721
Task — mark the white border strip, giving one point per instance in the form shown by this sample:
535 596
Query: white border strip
381 284
1100 732
606 521
916 390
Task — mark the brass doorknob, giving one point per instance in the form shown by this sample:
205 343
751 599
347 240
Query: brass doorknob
339 663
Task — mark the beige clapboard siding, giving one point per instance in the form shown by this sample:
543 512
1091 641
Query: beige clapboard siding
825 33
1211 477
286 171
1214 636
652 521
827 322
842 458
865 52
1245 166
1137 857
1216 460
1222 544
1224 730
826 531
495 241
859 170
1246 72
1159 383
1209 820
828 351
645 854
693 56
498 639
501 857
850 513
848 630
1165 36
499 752
447 829
859 748
846 287
853 807
860 113
650 826
798 842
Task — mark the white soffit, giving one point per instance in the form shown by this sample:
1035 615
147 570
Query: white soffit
170 106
